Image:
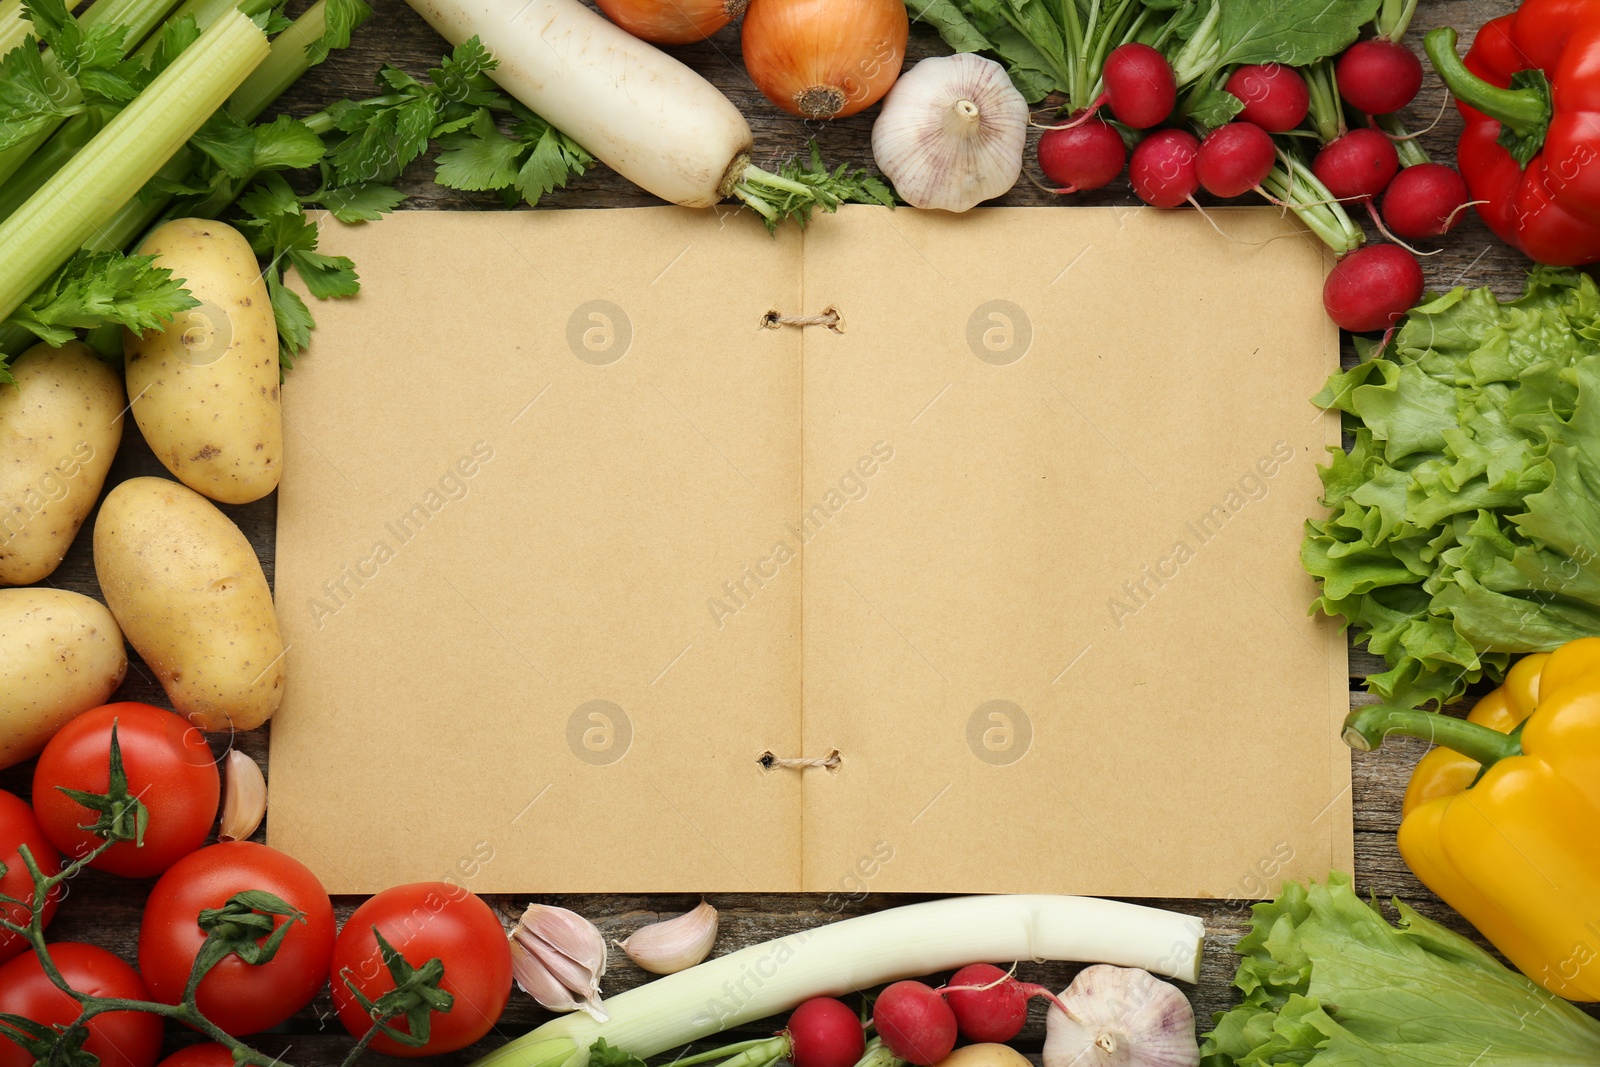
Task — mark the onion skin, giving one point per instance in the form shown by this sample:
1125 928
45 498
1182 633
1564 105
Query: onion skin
672 21
824 59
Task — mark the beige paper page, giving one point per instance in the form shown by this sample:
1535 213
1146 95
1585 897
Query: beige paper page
1054 617
518 466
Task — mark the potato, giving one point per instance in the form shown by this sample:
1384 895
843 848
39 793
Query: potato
189 593
985 1055
205 389
60 654
60 425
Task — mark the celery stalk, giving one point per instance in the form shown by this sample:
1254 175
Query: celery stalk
205 13
286 64
283 67
49 158
85 194
14 25
140 16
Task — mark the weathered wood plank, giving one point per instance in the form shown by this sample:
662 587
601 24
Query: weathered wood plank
106 910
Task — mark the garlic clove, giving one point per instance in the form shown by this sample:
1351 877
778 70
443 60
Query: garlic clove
674 944
951 133
559 958
1120 1017
244 798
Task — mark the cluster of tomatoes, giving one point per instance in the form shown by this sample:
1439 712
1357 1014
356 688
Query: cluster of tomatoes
171 770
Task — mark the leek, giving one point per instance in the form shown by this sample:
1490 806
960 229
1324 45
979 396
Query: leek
917 939
85 193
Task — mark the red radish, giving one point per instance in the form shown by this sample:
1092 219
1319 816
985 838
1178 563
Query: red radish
1163 168
989 1004
1140 86
824 1032
1234 159
1425 201
1083 157
1275 96
1357 165
915 1023
1378 76
1372 287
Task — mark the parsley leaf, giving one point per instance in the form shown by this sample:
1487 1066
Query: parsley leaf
93 289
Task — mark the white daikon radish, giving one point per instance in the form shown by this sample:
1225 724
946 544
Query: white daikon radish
636 109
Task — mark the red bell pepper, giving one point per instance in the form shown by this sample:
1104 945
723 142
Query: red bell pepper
1529 92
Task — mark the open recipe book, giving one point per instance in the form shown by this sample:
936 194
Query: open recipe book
580 554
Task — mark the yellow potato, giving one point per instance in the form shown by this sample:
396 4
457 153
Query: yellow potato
189 593
205 389
60 654
60 425
985 1055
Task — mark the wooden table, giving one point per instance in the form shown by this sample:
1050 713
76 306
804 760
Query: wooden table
106 910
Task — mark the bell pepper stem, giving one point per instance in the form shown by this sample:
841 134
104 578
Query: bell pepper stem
1366 728
1526 111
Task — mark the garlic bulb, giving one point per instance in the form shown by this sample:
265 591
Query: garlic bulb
675 944
951 132
558 958
1120 1017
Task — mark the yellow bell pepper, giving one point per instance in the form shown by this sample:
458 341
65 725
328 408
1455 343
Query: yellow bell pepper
1503 820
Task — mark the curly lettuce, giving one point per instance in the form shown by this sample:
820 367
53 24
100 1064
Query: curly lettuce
1465 519
1328 982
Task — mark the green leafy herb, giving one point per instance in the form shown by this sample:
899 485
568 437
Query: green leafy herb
93 289
534 159
1328 982
1464 519
602 1054
798 187
282 234
32 97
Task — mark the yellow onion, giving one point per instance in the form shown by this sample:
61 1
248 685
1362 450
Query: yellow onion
672 21
824 59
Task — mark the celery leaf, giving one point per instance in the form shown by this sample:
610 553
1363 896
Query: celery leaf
340 18
33 95
361 203
281 233
94 289
285 144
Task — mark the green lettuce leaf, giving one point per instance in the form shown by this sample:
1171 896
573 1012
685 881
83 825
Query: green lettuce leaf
1464 523
1328 982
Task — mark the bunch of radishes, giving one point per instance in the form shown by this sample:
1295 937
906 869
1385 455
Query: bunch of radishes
1111 1015
1371 286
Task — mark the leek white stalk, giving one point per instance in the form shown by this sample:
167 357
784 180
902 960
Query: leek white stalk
636 109
918 939
85 193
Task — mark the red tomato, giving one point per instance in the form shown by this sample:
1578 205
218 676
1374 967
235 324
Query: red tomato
18 827
428 920
238 997
169 767
119 1038
205 1054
